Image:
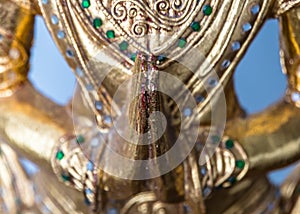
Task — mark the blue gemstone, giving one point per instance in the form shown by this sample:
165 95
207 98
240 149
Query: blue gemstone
90 166
226 63
203 171
99 105
161 58
247 27
54 19
212 82
69 53
94 142
255 9
1 37
235 46
107 119
187 112
79 72
112 211
206 191
199 98
61 34
87 202
45 1
88 191
295 96
89 87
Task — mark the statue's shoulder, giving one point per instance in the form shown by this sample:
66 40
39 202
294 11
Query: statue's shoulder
282 6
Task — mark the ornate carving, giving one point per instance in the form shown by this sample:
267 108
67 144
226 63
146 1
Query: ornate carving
161 14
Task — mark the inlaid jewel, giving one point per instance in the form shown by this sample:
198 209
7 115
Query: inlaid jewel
110 34
61 34
195 26
54 19
86 4
107 120
207 10
97 23
88 191
79 72
90 166
235 46
240 164
123 45
295 96
255 9
89 87
65 177
80 139
229 144
133 56
182 42
226 63
247 27
60 155
187 112
99 105
69 53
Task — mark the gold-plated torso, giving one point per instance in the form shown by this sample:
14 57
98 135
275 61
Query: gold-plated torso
108 42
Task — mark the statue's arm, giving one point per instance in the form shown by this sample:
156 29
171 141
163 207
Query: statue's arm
272 137
31 122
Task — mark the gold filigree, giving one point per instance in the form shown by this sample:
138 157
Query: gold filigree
162 14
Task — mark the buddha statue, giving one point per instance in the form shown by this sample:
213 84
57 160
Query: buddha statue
155 125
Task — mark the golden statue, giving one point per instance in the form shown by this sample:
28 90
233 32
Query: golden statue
155 126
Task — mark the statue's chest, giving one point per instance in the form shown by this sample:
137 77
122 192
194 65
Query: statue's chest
218 29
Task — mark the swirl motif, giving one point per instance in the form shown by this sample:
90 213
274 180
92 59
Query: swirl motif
140 28
162 14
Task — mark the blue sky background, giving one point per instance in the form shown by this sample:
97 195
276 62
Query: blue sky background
259 80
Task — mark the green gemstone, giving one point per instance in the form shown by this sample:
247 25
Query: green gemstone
110 34
207 10
240 164
65 177
60 155
229 144
97 23
86 3
123 46
182 42
80 139
195 26
133 57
